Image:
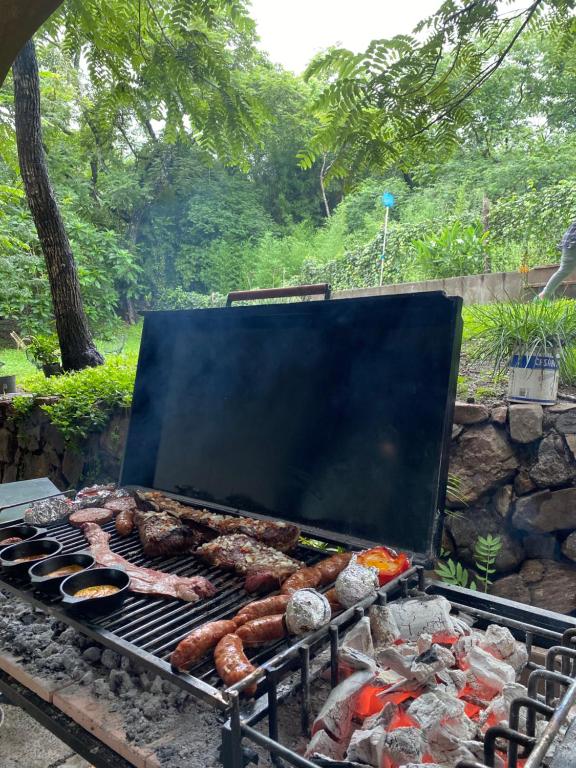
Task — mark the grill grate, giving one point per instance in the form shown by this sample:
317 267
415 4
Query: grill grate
149 628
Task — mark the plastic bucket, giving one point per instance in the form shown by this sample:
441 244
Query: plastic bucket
533 379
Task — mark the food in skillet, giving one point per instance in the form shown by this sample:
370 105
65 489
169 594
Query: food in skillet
65 570
29 558
264 567
10 540
146 580
99 590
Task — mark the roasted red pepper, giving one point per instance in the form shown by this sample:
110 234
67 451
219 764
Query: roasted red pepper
388 562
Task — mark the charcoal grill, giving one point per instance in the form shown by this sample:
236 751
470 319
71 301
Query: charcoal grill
551 685
335 415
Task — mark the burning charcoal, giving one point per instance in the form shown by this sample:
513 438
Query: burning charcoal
454 680
366 746
403 745
383 626
48 511
490 673
356 659
435 707
424 643
306 611
322 744
425 615
498 710
446 748
359 638
383 718
501 644
422 668
355 583
336 714
421 765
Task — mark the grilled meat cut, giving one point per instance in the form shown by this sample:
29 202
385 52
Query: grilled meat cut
146 580
274 533
264 567
163 534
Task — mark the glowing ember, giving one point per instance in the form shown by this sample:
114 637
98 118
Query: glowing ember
402 720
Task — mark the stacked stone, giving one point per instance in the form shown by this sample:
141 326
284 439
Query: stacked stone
517 470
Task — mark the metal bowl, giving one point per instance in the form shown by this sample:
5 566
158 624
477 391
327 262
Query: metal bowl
41 548
40 573
91 606
22 531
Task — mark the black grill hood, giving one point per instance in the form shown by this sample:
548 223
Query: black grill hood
333 414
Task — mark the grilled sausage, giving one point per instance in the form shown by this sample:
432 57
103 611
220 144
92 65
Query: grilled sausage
197 644
267 607
317 575
262 631
333 600
231 662
332 566
91 515
124 522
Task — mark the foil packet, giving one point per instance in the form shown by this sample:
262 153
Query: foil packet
48 511
98 495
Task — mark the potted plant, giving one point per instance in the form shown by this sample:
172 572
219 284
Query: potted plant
44 353
7 383
532 340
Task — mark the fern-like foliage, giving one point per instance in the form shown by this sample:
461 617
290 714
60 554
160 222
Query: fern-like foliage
174 63
486 551
453 573
408 96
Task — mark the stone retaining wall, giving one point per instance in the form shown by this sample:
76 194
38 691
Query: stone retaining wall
517 470
31 446
516 467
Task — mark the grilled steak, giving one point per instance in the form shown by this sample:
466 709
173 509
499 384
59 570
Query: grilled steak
89 515
163 533
264 567
280 535
146 580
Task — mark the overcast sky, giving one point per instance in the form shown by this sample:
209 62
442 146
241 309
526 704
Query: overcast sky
292 31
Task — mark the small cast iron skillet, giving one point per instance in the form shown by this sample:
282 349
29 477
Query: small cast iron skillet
42 548
93 606
22 531
40 573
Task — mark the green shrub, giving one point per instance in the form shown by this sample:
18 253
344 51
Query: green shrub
456 249
87 397
498 331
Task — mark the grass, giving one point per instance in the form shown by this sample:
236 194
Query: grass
126 345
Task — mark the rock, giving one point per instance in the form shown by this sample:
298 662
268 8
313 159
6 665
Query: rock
546 511
571 443
542 583
522 483
72 466
553 467
34 465
468 524
55 438
470 413
502 500
457 430
545 547
566 421
109 659
29 437
482 460
7 446
561 407
525 422
499 415
569 547
113 438
92 654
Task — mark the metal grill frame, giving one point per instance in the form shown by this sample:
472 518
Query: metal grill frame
551 630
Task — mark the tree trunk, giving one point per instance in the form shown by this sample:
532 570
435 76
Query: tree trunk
486 228
323 172
76 344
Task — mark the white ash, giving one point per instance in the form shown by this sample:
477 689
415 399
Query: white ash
404 744
357 660
434 707
500 642
424 643
422 668
383 718
499 708
336 714
321 744
488 673
359 638
367 746
425 615
383 626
